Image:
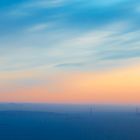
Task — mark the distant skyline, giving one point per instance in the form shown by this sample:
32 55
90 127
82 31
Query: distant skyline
70 51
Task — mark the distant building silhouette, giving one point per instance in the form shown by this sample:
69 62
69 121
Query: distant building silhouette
91 111
137 111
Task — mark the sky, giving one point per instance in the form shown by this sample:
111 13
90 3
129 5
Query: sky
70 51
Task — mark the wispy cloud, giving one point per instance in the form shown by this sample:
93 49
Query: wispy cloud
38 27
56 34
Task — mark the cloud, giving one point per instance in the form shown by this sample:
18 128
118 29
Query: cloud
137 9
70 65
90 49
38 27
74 15
68 33
31 7
44 3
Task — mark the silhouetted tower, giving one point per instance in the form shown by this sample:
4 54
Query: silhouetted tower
91 111
137 111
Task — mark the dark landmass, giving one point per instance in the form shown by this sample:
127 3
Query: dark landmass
49 125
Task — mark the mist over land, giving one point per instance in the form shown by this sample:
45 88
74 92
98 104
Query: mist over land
68 122
67 108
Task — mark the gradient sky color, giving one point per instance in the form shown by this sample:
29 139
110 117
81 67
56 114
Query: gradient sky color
70 51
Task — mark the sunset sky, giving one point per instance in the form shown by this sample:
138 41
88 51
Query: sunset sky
70 51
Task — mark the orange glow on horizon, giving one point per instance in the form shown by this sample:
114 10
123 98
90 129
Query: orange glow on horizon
116 86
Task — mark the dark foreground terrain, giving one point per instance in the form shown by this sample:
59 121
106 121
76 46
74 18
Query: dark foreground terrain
32 125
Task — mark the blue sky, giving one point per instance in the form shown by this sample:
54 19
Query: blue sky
68 34
81 50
